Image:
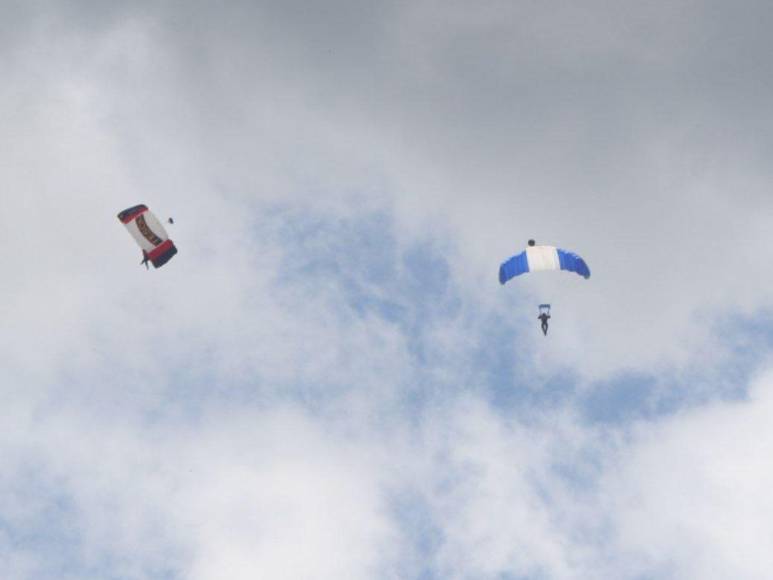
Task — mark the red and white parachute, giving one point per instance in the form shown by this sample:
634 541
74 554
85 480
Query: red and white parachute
148 232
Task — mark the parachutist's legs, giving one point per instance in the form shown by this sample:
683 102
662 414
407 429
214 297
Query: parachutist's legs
545 327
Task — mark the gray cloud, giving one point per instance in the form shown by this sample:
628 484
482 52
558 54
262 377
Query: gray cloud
633 136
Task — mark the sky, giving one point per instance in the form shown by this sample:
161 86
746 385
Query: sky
328 381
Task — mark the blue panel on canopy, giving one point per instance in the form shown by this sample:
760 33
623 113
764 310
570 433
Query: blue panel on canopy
513 267
573 263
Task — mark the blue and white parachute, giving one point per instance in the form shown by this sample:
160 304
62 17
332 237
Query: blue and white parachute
542 258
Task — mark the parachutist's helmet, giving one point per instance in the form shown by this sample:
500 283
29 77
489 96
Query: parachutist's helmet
532 242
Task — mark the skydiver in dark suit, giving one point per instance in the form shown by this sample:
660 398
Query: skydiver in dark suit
544 318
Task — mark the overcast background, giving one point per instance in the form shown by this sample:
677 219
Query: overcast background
328 381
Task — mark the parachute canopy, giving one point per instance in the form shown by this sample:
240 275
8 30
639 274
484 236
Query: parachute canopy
540 258
149 234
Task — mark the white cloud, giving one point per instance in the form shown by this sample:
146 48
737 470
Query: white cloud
690 494
273 493
681 496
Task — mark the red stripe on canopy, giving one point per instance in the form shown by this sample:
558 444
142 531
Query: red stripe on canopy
130 214
160 249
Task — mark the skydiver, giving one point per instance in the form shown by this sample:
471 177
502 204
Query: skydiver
145 259
544 318
171 221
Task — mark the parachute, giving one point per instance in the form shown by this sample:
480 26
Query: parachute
541 258
149 234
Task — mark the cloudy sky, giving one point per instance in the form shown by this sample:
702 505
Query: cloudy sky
328 381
